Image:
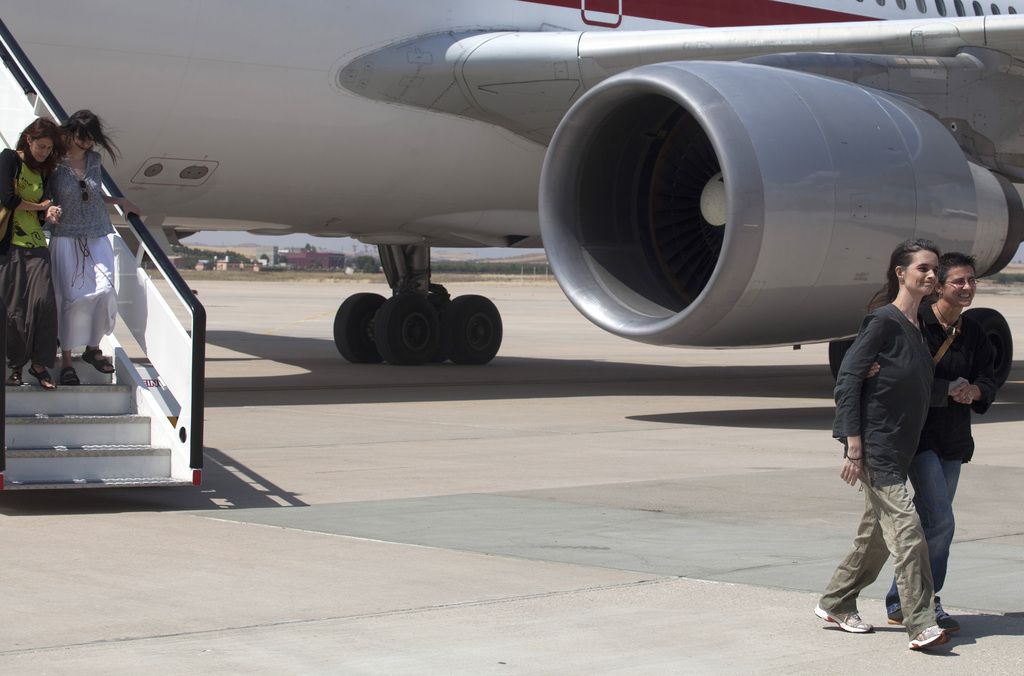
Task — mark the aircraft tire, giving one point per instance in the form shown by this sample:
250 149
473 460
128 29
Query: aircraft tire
998 332
353 328
837 349
472 330
407 330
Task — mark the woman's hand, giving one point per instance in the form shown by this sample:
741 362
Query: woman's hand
853 463
968 394
128 206
53 214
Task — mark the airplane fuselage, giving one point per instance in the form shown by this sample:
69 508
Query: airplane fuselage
249 94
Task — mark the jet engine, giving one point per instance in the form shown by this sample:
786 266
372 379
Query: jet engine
732 204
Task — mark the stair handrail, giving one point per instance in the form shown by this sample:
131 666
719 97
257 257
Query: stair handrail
32 83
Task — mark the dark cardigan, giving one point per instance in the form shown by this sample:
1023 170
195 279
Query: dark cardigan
947 431
888 410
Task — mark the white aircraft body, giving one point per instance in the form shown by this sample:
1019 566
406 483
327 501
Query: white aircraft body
717 173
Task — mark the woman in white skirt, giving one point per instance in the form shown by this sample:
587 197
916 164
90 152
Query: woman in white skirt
80 249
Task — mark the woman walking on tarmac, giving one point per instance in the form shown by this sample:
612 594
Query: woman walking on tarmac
962 354
879 421
83 258
25 268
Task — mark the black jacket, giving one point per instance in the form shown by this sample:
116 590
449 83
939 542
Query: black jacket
10 168
947 430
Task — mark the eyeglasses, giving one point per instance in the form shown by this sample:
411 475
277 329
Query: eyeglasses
85 190
961 283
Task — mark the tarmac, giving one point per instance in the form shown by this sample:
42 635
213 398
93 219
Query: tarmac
582 505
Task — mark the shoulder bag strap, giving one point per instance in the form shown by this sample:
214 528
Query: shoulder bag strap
954 331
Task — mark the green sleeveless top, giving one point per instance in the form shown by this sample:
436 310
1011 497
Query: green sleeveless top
28 232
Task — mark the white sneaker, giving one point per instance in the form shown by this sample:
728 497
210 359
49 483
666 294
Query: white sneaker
932 637
850 622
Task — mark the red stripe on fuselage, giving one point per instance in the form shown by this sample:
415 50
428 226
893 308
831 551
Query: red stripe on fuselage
713 13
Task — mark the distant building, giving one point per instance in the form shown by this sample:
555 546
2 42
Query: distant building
301 259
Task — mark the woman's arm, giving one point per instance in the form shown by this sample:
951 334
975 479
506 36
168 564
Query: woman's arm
849 384
850 379
34 206
982 390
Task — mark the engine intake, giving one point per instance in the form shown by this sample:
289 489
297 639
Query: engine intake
730 204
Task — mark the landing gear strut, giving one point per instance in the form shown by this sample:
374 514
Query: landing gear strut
420 323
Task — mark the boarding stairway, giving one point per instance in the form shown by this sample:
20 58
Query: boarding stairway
141 425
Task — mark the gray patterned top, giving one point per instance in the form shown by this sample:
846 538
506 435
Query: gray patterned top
80 217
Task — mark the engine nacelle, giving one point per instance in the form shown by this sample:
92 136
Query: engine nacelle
730 204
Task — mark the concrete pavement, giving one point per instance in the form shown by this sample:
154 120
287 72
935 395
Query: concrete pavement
582 505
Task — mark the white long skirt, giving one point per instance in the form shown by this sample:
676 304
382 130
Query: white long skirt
83 280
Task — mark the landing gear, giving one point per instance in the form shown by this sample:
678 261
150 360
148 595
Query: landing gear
407 330
420 323
471 330
354 328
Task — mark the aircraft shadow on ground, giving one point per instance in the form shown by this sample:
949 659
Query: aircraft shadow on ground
810 418
1009 407
327 378
227 484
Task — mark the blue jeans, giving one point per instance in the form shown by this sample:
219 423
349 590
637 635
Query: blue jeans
934 481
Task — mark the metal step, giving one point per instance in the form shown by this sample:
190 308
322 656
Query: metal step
125 482
29 400
86 374
79 465
50 431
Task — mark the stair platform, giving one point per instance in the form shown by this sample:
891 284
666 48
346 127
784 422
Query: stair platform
123 482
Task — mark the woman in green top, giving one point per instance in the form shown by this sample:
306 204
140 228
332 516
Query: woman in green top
25 280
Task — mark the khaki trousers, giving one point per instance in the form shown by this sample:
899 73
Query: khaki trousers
890 524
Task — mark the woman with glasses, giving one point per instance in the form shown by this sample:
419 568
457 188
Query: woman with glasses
965 356
83 258
25 176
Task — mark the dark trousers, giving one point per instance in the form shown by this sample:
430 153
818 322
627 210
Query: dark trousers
27 289
934 481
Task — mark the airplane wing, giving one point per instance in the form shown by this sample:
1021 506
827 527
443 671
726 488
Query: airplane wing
742 186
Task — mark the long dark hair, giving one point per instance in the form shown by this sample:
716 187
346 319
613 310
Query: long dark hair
900 258
85 125
41 128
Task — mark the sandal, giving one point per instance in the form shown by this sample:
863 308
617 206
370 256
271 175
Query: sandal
45 381
98 361
68 376
15 378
